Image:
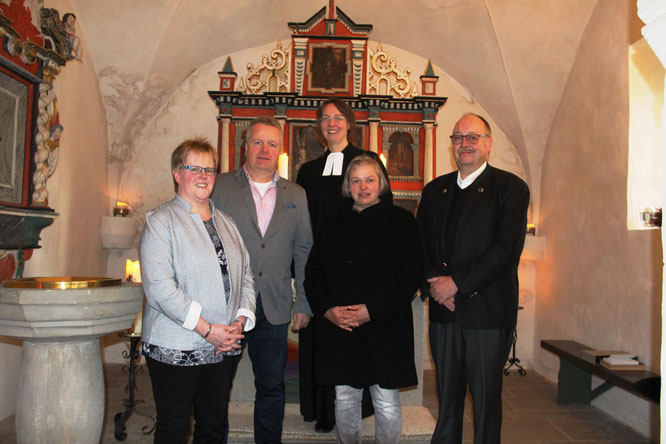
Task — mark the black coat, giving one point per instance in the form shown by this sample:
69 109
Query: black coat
489 239
325 202
373 257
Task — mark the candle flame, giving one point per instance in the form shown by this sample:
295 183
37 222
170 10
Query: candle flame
132 271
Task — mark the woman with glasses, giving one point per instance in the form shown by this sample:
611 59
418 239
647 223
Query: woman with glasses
322 180
198 283
361 276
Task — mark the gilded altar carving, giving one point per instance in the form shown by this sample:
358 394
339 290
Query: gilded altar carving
385 78
47 139
271 75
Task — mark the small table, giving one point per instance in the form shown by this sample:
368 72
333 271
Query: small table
130 404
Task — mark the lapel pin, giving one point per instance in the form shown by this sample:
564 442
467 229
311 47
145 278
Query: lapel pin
444 190
480 189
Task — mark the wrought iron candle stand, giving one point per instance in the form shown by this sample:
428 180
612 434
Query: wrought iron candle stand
130 403
513 361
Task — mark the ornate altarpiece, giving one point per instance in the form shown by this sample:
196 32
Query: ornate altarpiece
35 45
329 56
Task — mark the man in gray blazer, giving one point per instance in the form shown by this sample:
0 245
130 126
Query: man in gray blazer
272 216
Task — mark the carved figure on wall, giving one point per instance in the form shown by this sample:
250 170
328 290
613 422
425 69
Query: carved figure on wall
401 157
69 23
53 144
61 34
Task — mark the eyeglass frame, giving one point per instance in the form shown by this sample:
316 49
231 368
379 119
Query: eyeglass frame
337 118
196 170
466 137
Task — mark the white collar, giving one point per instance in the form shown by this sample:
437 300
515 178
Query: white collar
467 181
333 165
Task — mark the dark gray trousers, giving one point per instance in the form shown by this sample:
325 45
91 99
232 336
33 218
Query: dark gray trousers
474 358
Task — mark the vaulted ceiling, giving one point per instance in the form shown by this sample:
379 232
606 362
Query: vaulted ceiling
513 56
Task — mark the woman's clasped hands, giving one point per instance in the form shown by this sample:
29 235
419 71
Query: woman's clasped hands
225 337
349 316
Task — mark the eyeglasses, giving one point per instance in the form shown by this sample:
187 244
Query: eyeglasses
472 139
337 118
197 170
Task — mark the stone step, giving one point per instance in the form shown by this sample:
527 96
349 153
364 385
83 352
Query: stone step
417 425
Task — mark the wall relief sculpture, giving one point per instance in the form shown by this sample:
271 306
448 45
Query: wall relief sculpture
36 44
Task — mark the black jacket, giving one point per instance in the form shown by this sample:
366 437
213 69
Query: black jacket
373 257
489 239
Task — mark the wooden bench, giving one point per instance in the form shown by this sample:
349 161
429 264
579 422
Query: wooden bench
574 381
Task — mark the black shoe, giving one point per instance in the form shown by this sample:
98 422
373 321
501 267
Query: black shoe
323 427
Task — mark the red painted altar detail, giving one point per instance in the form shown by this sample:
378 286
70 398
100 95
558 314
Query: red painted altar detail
35 44
329 56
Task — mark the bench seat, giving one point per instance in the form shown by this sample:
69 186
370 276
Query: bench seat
574 383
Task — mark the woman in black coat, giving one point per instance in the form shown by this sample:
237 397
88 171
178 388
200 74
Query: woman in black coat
322 180
363 271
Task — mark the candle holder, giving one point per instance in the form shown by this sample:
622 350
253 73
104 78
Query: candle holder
130 403
117 211
121 209
531 229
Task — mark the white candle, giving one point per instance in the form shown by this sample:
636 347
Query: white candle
132 271
283 165
383 159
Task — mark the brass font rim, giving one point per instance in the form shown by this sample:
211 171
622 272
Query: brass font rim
61 282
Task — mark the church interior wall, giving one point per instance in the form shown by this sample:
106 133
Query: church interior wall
77 192
599 283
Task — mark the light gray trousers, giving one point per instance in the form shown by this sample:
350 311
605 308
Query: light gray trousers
388 417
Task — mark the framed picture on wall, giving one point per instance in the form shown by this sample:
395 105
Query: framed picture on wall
14 102
401 154
304 147
329 68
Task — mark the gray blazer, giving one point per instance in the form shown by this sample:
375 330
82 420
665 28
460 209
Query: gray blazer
179 265
288 236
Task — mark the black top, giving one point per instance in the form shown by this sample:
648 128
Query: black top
324 193
374 258
489 238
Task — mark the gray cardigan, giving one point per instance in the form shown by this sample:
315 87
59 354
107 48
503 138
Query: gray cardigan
179 265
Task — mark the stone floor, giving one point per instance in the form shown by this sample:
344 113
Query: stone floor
530 416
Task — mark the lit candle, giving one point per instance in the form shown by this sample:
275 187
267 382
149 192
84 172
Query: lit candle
383 159
283 165
121 209
133 274
132 271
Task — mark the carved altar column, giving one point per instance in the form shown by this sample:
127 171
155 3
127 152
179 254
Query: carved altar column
224 155
358 55
428 167
300 59
374 130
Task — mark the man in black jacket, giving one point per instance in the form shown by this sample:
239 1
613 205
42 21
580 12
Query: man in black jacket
473 225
